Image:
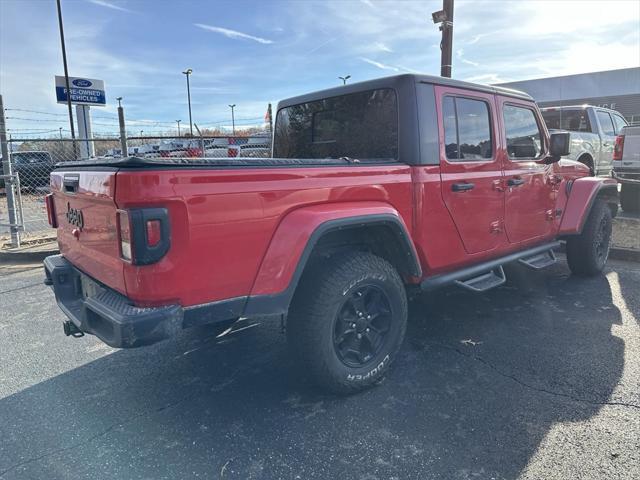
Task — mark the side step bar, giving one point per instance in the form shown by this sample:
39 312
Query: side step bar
489 274
539 261
484 281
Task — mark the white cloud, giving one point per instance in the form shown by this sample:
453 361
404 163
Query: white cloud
381 66
233 33
461 57
110 5
382 47
486 78
477 38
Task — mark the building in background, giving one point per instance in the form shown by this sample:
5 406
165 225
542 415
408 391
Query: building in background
615 89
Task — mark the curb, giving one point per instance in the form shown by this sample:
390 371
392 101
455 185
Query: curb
615 253
626 254
25 255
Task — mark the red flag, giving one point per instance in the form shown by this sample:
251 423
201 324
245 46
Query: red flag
267 116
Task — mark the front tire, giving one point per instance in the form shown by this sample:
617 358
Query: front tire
630 197
587 253
347 321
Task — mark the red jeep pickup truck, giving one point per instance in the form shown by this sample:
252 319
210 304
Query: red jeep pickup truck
403 182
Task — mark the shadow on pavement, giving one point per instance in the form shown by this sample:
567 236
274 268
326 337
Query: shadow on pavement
479 382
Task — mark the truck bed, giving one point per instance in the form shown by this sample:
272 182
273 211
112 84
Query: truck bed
139 162
221 220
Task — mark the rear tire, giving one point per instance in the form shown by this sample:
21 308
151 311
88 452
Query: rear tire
347 321
587 253
630 198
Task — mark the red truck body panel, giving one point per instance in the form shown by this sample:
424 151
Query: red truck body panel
222 222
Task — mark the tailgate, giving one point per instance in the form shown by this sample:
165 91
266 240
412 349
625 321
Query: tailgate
85 209
631 151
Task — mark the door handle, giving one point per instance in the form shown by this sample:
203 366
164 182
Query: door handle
462 187
515 182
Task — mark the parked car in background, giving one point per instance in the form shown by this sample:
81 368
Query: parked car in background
626 168
33 168
258 146
217 148
187 149
593 133
376 189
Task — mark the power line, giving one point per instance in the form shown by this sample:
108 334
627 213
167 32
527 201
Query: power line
35 111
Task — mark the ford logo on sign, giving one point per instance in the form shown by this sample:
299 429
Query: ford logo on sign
82 83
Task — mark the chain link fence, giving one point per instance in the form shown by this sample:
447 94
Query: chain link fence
32 160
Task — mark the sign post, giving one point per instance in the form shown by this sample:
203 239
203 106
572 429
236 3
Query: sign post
83 92
84 130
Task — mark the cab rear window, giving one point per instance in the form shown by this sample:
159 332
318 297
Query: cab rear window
362 125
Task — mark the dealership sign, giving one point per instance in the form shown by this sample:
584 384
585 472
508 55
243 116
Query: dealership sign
84 91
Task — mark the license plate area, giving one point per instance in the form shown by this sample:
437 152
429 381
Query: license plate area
89 287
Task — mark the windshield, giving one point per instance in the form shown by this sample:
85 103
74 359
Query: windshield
30 157
571 120
361 125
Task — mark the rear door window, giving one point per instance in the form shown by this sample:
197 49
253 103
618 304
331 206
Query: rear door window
619 122
605 122
362 126
467 129
522 133
572 120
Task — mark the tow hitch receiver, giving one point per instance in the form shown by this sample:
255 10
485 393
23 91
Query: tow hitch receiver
70 330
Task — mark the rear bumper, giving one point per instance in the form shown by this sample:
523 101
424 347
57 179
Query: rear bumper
112 317
622 176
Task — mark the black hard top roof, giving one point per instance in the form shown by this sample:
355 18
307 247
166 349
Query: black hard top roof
393 82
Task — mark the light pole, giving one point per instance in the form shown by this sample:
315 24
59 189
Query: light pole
233 120
66 77
178 122
344 79
188 72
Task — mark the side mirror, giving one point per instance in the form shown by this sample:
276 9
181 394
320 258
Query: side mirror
559 143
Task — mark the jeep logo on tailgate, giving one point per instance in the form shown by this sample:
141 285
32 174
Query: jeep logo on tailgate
74 216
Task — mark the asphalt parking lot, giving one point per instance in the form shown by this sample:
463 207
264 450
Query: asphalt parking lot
538 379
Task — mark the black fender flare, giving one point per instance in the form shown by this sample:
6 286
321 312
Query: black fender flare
278 304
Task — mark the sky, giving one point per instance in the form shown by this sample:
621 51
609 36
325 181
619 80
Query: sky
250 53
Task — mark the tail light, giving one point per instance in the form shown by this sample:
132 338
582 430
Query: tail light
124 234
232 152
144 235
618 148
51 210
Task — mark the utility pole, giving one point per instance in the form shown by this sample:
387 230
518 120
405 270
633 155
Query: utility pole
233 120
344 79
178 122
444 17
124 150
188 73
66 77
